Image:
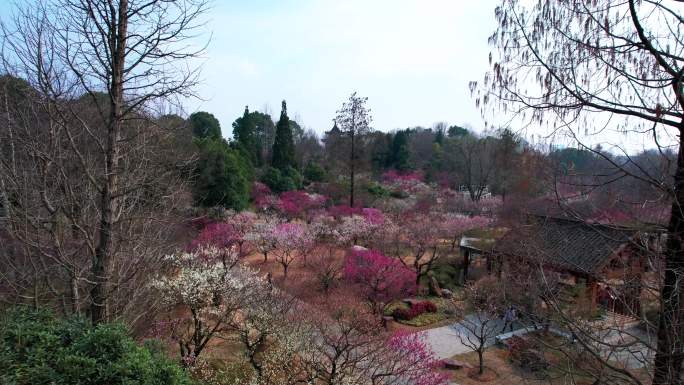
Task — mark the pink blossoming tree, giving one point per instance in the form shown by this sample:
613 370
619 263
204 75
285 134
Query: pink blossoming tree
292 240
379 278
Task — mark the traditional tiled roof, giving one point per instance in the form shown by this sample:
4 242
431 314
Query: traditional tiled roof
563 243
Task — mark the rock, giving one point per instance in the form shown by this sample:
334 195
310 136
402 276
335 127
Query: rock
455 364
410 301
434 287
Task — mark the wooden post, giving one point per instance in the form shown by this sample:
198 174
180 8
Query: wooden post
466 264
592 289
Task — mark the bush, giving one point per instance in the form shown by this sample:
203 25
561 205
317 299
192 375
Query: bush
377 190
38 348
415 310
403 314
287 180
523 353
399 194
425 307
313 172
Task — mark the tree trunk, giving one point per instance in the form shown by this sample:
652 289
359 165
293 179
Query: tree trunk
103 259
670 349
351 182
480 356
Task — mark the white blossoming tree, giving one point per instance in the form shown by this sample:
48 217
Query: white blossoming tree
203 296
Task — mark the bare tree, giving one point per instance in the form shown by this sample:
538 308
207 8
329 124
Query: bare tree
479 325
353 120
96 68
601 66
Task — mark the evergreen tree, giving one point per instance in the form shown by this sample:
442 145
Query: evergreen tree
265 135
400 151
223 176
283 146
244 134
457 132
205 125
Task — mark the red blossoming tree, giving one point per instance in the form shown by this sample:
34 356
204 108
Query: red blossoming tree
379 278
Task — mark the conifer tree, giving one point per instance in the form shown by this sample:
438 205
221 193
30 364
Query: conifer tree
244 133
283 146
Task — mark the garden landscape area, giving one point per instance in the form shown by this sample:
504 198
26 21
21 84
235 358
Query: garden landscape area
159 225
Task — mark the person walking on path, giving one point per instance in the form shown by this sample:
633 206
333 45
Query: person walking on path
509 317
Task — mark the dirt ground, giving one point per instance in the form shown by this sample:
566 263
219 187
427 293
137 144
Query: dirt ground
496 360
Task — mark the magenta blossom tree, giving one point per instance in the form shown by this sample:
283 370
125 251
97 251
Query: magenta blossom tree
380 278
410 357
242 224
300 204
219 235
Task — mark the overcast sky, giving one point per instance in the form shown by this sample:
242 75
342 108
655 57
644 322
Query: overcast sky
413 59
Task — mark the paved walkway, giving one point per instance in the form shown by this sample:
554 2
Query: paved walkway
446 340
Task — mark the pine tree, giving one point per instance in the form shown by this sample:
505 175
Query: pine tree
400 151
283 146
244 134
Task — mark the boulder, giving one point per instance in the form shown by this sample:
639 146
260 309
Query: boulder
434 287
410 301
456 364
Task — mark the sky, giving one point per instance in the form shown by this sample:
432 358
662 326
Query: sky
412 59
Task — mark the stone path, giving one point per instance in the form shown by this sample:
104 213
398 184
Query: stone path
445 340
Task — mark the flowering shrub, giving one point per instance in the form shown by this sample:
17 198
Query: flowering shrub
380 278
414 311
340 211
424 307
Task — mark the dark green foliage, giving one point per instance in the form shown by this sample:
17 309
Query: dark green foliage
280 181
456 132
313 172
376 190
38 348
205 125
223 177
283 146
400 153
265 135
244 134
574 160
439 136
